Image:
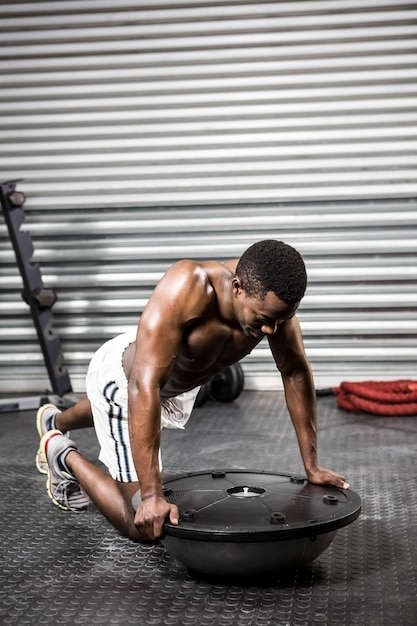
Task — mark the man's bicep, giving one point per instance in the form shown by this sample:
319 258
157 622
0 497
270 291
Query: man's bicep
157 343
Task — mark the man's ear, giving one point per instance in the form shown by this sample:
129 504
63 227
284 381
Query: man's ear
236 286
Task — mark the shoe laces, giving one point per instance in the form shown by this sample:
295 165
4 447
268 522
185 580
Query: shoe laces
69 493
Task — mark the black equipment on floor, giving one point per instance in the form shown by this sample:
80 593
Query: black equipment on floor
239 523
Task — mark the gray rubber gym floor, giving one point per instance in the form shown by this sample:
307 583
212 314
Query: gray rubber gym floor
73 568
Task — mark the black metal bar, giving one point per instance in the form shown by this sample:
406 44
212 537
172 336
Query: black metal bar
36 295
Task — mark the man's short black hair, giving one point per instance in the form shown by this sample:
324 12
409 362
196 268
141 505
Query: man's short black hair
275 266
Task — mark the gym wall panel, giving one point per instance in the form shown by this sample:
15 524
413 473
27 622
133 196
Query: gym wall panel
144 132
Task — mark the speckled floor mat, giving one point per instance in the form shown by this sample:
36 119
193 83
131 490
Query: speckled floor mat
73 568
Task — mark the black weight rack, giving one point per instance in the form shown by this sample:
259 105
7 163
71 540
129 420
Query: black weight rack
40 300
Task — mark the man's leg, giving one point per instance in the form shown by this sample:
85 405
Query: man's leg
73 481
112 498
78 415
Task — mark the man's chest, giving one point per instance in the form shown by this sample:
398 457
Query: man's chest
215 343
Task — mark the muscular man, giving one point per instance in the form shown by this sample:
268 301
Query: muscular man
201 317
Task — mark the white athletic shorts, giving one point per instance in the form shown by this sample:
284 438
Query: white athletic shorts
106 387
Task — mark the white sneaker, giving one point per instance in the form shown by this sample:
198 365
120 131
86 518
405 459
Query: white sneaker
45 421
62 487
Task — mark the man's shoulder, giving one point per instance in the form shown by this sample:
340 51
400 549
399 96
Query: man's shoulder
186 279
194 283
196 271
191 266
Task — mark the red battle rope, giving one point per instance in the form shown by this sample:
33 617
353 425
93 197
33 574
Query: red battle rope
395 398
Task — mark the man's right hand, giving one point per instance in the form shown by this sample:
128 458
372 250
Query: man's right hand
151 515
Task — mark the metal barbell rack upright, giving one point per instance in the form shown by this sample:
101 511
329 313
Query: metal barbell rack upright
40 300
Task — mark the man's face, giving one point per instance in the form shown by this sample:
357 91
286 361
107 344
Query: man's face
259 317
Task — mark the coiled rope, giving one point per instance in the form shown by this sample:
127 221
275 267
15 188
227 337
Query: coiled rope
396 398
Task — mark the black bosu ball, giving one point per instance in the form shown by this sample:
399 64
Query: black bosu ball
236 523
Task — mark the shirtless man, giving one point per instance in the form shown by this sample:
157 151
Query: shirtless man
201 317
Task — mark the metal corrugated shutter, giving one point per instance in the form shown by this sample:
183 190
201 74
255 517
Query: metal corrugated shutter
147 131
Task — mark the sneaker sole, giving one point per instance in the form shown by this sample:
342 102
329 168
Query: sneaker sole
41 462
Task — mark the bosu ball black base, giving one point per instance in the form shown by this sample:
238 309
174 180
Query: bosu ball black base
238 523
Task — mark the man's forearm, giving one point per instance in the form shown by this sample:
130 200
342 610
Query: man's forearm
144 432
147 468
301 403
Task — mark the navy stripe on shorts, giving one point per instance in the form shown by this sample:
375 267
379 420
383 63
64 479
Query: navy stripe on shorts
118 434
